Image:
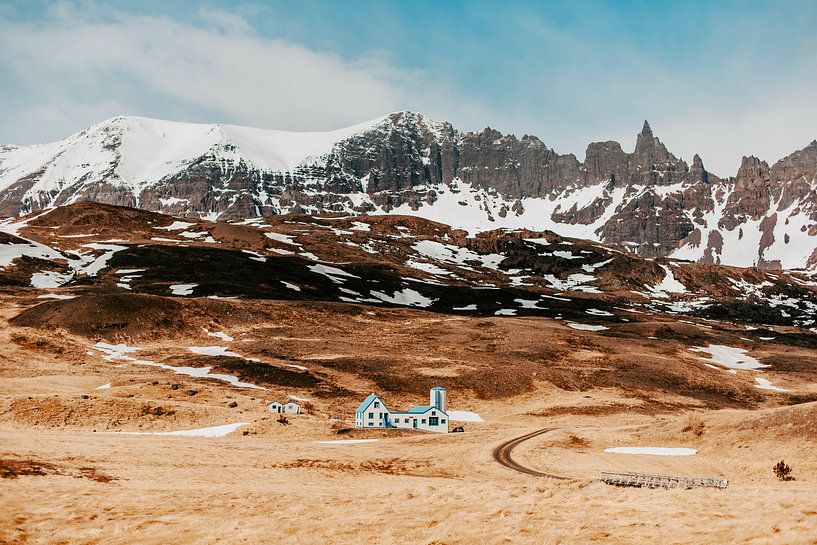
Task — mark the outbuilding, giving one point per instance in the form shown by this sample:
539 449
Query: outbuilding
290 407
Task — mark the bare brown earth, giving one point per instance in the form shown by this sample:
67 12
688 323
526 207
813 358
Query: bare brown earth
66 479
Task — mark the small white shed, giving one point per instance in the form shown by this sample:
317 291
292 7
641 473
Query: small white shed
275 407
290 407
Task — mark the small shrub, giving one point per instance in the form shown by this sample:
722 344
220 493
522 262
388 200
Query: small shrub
694 425
578 442
783 471
283 420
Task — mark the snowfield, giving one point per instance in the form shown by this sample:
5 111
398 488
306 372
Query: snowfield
585 327
653 451
177 226
10 252
733 358
405 297
49 279
764 384
182 289
153 149
212 431
464 416
119 352
218 335
668 285
346 441
213 351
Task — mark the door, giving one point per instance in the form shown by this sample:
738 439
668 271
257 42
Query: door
414 424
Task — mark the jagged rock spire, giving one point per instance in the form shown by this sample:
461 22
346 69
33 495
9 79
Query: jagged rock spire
649 150
646 130
697 170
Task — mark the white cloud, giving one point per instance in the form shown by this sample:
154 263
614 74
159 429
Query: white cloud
79 66
150 65
228 22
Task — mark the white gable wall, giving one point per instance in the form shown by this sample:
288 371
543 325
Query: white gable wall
376 415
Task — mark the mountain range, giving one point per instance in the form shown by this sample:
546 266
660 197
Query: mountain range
648 202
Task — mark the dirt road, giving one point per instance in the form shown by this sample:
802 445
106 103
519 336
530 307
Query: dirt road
502 454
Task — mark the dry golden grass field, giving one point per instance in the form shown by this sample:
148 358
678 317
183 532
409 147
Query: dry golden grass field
68 479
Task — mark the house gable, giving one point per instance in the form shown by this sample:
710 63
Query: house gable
370 399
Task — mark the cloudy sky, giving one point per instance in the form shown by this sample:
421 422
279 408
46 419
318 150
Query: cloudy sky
720 78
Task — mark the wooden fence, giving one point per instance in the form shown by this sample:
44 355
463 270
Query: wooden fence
643 480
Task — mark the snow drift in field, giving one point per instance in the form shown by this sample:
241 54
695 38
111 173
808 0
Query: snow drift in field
346 441
734 358
114 352
464 416
652 451
212 431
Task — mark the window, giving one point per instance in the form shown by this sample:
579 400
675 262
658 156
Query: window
371 423
406 420
442 421
433 421
424 420
433 413
371 415
376 404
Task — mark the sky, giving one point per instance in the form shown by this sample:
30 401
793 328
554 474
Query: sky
720 78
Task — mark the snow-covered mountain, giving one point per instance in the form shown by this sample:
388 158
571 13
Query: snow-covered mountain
133 154
648 201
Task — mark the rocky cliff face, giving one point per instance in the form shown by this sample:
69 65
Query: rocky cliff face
649 202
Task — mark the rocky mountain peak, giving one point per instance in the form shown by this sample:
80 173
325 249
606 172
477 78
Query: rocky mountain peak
604 161
404 162
406 117
799 167
697 170
752 167
650 153
646 130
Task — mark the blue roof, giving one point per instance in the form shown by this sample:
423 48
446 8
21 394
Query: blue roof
366 402
419 410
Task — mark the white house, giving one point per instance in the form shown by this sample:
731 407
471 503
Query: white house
290 407
373 413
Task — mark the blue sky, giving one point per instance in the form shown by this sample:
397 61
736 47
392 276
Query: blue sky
720 78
